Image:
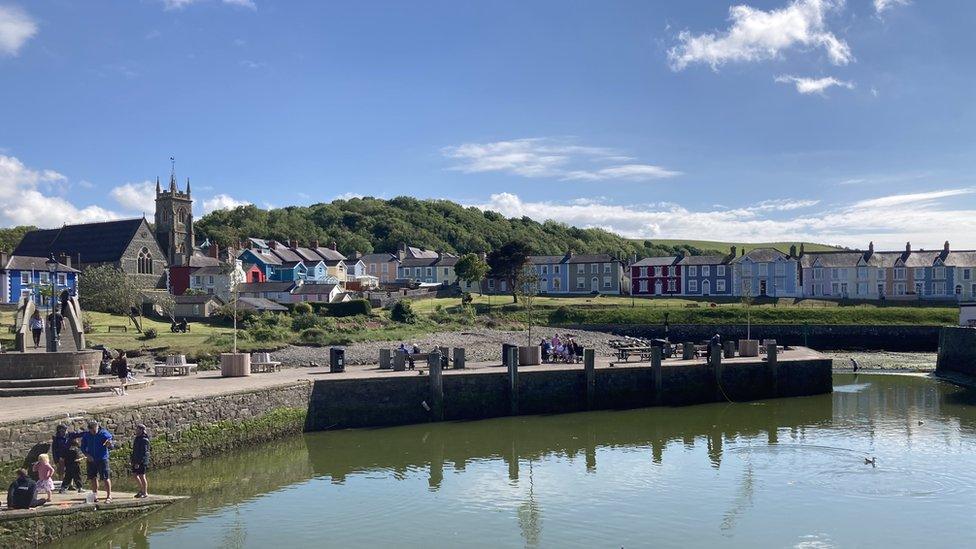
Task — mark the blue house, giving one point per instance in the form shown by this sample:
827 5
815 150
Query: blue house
766 272
29 276
707 275
551 271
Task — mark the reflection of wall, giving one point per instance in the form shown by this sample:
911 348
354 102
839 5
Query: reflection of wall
957 350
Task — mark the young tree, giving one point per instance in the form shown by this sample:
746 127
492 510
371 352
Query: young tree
107 289
471 268
527 288
507 263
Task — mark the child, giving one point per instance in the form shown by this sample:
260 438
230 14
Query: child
122 371
140 460
72 467
45 475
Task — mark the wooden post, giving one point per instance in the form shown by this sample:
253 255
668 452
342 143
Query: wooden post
400 361
656 371
589 374
688 351
459 358
385 359
445 356
513 396
729 349
436 386
715 359
773 365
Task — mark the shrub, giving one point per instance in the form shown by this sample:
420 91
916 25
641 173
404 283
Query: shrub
348 308
402 312
315 336
302 309
149 333
304 321
466 298
87 325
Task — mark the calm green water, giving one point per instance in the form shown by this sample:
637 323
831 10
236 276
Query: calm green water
778 473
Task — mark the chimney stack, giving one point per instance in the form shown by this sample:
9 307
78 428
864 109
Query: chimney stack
908 247
315 244
64 259
871 248
293 243
334 246
945 247
732 251
4 258
214 250
273 244
793 250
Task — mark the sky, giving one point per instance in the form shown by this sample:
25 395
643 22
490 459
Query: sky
820 120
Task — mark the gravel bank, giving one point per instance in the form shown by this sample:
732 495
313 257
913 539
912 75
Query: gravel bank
481 344
883 361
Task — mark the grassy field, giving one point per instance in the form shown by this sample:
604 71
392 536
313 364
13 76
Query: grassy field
747 246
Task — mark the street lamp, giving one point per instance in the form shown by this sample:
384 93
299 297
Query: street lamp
52 269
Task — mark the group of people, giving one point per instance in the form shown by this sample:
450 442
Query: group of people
118 366
557 350
68 451
179 327
412 349
55 320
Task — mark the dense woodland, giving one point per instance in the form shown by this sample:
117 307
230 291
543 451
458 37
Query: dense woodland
9 238
376 225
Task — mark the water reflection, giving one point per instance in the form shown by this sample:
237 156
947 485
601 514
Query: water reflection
596 478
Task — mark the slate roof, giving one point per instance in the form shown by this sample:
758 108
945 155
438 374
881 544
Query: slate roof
545 259
95 242
962 258
379 258
922 259
762 255
209 270
258 287
30 263
704 260
448 260
833 259
329 254
656 261
260 304
590 258
415 253
418 262
314 288
203 261
196 299
266 257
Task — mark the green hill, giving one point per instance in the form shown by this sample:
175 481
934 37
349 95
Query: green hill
376 225
747 246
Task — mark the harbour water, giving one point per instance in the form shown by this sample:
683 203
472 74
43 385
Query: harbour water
787 472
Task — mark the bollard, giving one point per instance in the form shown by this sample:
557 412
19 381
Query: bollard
656 371
506 347
729 347
436 386
385 362
400 361
445 356
589 374
459 358
688 351
512 362
772 362
715 361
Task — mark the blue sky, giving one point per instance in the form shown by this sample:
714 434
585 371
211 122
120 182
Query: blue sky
816 119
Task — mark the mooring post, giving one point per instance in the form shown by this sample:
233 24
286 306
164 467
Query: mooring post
715 358
459 358
656 371
771 360
589 374
513 396
434 364
400 361
728 349
385 361
445 356
688 351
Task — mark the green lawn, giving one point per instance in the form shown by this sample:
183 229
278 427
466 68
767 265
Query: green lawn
747 246
199 339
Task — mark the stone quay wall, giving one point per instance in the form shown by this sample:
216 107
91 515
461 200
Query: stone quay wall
822 337
48 365
181 430
957 351
350 403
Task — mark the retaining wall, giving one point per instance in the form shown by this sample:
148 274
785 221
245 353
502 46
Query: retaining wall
816 336
47 365
957 351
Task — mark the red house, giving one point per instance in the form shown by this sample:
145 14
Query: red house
253 273
656 276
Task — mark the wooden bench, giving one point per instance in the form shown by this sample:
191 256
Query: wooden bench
643 353
117 328
265 367
171 370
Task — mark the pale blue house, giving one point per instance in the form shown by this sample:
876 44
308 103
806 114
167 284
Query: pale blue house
551 271
766 272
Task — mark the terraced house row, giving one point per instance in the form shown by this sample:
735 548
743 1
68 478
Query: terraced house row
944 274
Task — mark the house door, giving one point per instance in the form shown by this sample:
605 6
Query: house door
657 287
706 287
594 284
762 288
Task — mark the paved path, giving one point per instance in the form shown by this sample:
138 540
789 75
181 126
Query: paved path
211 383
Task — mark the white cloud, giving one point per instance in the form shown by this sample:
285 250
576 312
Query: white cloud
889 221
551 158
16 28
881 6
222 202
807 86
138 198
180 4
22 201
756 35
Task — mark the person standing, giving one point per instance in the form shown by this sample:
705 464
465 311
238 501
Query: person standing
95 444
140 460
59 446
122 371
72 467
45 475
36 327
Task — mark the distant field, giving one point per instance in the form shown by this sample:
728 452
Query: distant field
747 246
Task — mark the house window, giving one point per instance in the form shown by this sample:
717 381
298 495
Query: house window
693 286
210 279
144 263
643 286
692 270
643 271
862 288
445 272
658 270
918 288
720 270
491 283
416 272
882 274
966 274
44 277
720 284
25 278
862 272
594 268
900 273
62 279
672 286
545 269
818 273
606 283
780 269
939 288
747 269
372 268
835 274
555 269
556 284
900 288
763 269
919 273
671 270
580 268
958 289
939 272
606 268
430 271
706 270
580 283
386 268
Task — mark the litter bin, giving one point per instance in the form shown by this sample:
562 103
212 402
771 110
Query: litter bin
337 360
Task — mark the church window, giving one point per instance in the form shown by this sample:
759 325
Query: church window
182 215
145 263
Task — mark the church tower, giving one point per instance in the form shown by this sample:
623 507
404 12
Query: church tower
174 222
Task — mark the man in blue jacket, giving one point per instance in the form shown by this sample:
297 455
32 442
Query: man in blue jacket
95 444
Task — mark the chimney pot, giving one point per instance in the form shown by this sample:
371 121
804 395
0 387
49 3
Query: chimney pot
273 244
315 244
946 246
334 246
293 243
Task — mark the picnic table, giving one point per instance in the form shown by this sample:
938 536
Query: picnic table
641 351
170 370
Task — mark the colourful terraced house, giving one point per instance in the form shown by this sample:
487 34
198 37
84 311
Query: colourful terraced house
767 272
27 276
707 275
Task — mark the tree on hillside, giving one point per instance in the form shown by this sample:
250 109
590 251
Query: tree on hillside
9 238
107 289
471 268
507 263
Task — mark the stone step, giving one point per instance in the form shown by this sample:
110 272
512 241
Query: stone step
56 382
69 390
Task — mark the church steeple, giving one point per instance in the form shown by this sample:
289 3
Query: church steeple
158 190
187 186
174 220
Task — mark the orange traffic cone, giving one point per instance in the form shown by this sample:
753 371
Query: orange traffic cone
82 379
